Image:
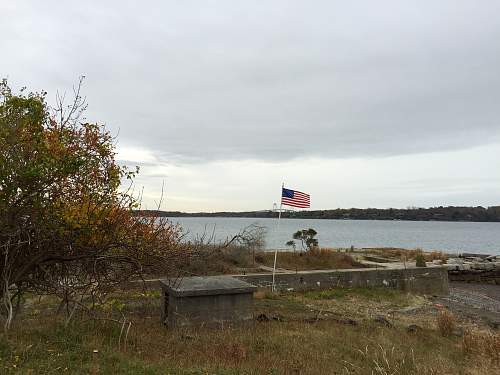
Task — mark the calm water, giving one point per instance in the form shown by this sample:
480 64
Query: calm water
429 235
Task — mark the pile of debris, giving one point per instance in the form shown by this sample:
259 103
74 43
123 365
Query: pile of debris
474 267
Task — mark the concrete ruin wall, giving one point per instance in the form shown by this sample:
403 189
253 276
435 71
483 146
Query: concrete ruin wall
209 311
428 280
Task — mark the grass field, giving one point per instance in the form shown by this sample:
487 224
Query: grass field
326 332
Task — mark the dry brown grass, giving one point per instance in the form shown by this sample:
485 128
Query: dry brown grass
386 361
265 294
273 347
238 259
446 322
409 254
318 259
482 343
213 260
295 344
435 255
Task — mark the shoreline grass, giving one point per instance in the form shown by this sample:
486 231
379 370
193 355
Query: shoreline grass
310 260
234 259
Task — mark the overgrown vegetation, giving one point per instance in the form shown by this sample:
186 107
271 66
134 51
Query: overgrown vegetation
302 334
477 342
406 254
215 260
420 260
66 227
316 259
70 241
231 256
446 322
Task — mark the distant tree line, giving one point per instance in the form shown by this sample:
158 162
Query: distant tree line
450 213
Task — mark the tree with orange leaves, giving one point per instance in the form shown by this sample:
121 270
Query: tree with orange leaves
66 228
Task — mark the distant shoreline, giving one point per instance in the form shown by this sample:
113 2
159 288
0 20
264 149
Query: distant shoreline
451 213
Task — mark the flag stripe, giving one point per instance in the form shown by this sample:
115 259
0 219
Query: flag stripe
295 200
299 205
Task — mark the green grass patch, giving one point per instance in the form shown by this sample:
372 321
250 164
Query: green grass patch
375 294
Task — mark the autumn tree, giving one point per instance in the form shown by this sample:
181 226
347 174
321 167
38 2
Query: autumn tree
66 227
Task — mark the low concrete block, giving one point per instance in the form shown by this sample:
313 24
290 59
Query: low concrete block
214 301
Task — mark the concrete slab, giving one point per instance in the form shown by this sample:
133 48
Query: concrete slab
205 286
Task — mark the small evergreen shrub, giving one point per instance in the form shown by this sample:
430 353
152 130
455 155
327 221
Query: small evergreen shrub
420 260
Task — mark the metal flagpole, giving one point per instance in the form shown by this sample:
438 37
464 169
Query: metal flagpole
273 288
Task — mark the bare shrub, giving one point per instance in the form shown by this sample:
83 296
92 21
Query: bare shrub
446 322
211 257
251 238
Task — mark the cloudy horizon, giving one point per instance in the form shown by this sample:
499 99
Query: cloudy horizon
361 104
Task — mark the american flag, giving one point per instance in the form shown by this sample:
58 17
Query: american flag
295 198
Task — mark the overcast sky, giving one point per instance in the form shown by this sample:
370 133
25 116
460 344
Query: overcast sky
359 103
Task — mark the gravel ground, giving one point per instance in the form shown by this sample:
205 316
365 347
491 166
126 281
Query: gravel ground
473 301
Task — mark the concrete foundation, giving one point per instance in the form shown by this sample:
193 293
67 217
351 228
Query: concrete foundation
428 280
216 301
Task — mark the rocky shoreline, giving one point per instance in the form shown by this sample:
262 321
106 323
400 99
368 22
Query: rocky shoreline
474 268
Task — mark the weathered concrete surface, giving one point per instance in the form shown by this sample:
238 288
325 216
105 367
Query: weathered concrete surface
206 285
215 301
427 280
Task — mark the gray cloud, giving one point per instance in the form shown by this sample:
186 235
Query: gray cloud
273 80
